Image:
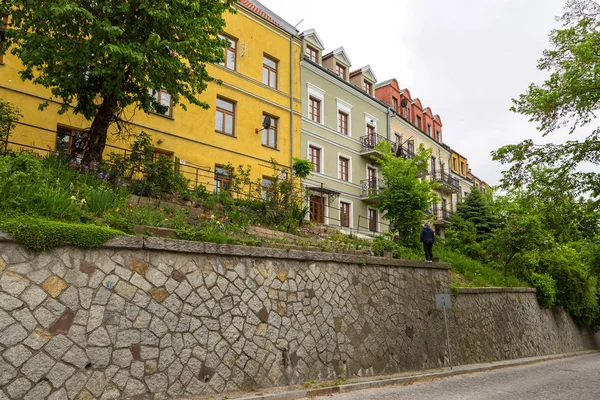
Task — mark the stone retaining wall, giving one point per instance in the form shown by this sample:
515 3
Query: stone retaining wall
491 324
159 318
162 318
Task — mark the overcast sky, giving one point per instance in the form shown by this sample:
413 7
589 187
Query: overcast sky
466 59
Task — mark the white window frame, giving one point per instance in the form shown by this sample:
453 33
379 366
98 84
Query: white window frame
349 167
371 166
351 218
347 109
368 119
319 94
322 158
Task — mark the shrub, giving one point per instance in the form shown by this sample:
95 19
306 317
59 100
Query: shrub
545 286
40 234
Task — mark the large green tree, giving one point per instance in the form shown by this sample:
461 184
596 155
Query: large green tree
99 57
568 99
404 197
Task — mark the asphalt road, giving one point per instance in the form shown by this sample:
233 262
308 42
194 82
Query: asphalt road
574 378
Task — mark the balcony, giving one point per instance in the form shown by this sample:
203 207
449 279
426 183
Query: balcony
448 184
370 142
442 215
404 152
370 189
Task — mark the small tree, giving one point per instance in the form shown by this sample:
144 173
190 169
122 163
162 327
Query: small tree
519 234
404 197
476 209
9 115
103 56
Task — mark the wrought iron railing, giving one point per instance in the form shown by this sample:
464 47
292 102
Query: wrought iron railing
371 186
446 178
404 152
369 142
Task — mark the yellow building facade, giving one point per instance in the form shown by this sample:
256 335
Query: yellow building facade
260 77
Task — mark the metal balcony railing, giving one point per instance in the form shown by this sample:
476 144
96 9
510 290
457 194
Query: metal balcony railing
371 186
442 213
447 180
369 142
404 152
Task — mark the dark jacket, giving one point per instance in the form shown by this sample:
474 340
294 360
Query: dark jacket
427 235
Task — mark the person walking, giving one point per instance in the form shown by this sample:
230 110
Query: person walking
427 238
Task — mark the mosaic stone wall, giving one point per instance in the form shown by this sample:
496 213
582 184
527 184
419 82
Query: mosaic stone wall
167 319
491 324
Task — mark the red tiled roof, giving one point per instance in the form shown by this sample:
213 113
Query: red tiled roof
356 72
252 7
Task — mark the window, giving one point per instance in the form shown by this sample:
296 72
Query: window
344 214
314 109
70 141
314 155
156 153
312 54
222 179
267 187
395 103
454 164
164 99
462 168
371 134
368 87
230 53
433 166
344 172
372 179
269 76
269 136
418 121
398 138
343 122
225 117
317 209
3 22
373 220
410 146
437 135
429 129
340 70
406 112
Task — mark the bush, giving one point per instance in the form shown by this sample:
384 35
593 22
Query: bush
545 286
40 234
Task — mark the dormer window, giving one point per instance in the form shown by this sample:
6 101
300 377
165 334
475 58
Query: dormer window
429 129
368 87
437 136
395 103
311 53
418 121
340 70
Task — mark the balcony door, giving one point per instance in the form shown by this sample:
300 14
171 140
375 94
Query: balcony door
317 209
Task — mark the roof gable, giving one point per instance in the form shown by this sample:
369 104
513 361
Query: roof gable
340 55
417 102
368 73
427 111
313 38
438 119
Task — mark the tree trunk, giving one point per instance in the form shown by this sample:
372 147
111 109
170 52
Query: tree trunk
99 130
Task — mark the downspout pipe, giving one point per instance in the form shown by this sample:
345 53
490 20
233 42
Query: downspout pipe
291 105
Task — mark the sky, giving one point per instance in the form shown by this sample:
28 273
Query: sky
466 59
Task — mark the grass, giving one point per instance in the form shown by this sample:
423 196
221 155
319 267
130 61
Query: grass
474 273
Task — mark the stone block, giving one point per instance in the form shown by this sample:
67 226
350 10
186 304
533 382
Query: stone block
54 286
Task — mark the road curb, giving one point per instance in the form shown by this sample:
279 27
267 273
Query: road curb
459 370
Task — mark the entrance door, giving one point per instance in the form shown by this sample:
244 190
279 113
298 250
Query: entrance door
317 209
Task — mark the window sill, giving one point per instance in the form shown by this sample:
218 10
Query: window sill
269 147
226 134
163 115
